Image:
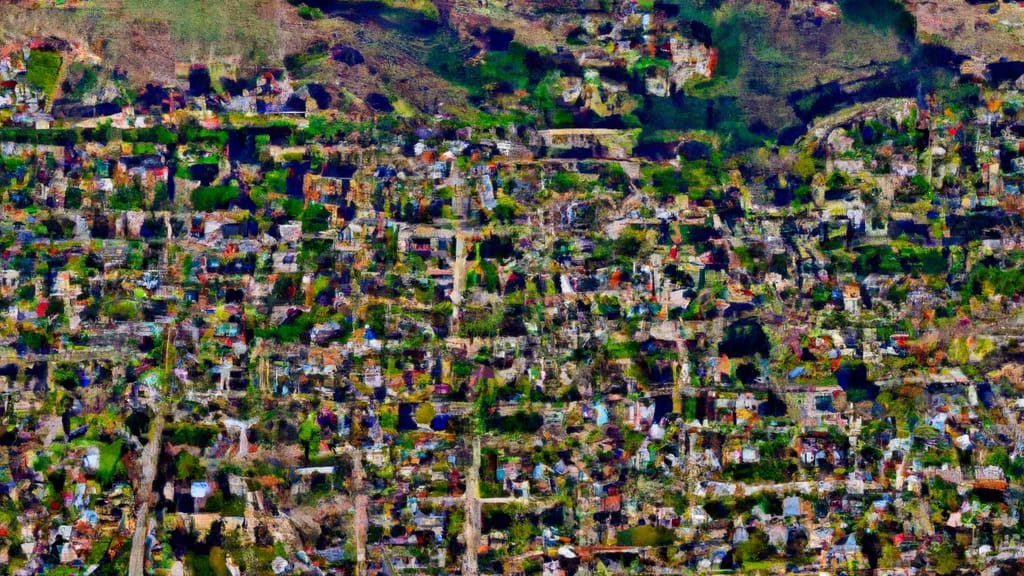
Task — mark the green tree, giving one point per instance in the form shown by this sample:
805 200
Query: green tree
945 559
804 167
755 548
309 435
73 198
188 467
506 210
425 414
127 197
161 197
490 276
315 218
998 457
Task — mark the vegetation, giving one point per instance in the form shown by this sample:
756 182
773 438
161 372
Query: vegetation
43 70
210 198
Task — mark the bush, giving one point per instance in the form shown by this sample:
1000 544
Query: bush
310 13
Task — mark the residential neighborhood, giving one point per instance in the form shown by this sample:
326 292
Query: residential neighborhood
247 333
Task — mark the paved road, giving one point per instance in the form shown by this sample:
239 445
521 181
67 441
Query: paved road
148 462
361 519
471 526
459 269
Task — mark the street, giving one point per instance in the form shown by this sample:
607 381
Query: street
148 462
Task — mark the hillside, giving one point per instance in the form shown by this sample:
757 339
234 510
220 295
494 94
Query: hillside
777 64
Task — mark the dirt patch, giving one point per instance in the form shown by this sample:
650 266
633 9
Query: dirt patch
971 29
148 42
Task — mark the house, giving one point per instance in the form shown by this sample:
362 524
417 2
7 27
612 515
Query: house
426 241
9 280
791 507
851 298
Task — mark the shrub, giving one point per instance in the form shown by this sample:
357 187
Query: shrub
310 13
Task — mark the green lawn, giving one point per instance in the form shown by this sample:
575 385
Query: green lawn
42 70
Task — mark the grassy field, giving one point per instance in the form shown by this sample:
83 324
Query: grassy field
223 21
147 37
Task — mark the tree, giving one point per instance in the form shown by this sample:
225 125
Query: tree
744 337
127 197
309 435
490 276
998 457
520 532
161 197
425 414
838 179
614 176
73 198
755 548
629 244
138 423
563 182
804 167
506 209
944 558
871 545
188 467
315 219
